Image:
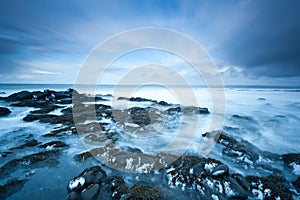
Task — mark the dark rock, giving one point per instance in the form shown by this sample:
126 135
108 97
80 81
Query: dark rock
41 159
93 175
28 143
11 187
77 184
163 103
4 154
220 171
140 116
91 192
291 158
278 187
82 157
20 96
296 183
113 188
73 196
4 111
46 109
145 192
38 95
54 144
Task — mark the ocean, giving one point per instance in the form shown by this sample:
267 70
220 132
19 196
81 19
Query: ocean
268 117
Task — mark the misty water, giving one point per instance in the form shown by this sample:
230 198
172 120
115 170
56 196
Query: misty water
266 117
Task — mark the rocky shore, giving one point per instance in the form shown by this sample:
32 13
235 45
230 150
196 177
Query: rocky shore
240 171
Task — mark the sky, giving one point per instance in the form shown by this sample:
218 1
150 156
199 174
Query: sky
250 42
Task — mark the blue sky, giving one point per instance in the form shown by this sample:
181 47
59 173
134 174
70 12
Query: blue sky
251 42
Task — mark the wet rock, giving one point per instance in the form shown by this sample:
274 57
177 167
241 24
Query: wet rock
113 188
145 192
46 109
220 171
82 157
270 187
4 154
163 103
296 183
28 143
87 184
73 196
90 193
291 158
41 159
20 96
240 151
96 138
93 175
4 111
51 119
77 184
11 187
208 177
140 116
130 161
54 144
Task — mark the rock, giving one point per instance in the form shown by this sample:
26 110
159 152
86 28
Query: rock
11 187
113 188
28 143
41 159
82 157
73 196
93 175
220 171
140 116
96 138
46 109
54 144
90 193
145 192
4 111
296 183
276 187
163 103
77 184
20 96
291 158
261 99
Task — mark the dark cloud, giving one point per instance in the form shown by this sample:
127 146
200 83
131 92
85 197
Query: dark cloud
268 44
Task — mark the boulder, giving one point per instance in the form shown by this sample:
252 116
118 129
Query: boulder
4 111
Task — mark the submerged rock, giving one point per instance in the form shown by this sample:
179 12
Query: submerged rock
11 187
28 143
41 159
4 111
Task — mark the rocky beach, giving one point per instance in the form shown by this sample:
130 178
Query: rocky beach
110 168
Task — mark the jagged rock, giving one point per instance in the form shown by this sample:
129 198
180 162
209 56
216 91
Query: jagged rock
270 187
